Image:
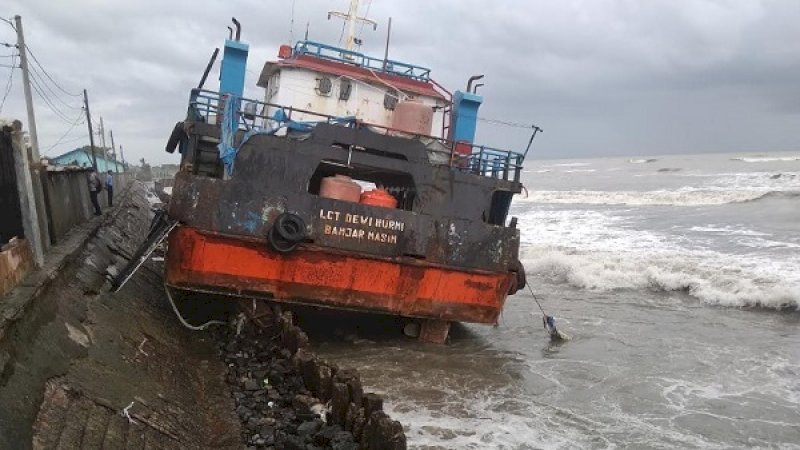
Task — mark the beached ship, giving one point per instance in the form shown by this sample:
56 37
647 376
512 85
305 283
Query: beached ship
353 184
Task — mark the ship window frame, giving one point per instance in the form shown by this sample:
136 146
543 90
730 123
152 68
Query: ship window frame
345 89
390 99
324 86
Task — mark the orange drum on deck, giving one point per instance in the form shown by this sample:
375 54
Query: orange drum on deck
340 187
378 197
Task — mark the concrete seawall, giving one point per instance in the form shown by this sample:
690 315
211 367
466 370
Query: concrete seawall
84 368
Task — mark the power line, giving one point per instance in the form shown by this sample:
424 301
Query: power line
506 123
38 89
77 122
70 140
42 82
47 74
8 84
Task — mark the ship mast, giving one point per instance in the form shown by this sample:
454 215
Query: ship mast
351 18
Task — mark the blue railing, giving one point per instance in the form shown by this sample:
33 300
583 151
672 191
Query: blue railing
341 55
260 117
489 162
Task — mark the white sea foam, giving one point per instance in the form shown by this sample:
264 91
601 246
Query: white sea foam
642 160
574 164
758 159
580 171
595 251
727 230
686 197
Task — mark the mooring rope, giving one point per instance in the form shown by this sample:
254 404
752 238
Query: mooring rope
184 322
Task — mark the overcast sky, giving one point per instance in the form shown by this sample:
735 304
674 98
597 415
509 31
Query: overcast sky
601 77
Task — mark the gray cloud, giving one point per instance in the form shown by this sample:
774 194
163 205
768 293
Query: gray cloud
602 77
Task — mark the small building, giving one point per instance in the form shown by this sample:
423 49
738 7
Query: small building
82 157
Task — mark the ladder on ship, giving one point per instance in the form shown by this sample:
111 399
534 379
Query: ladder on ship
160 228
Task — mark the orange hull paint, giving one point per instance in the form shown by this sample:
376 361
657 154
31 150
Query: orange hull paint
311 275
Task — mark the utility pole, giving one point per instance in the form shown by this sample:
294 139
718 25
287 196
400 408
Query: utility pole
122 156
114 150
103 142
89 123
40 242
26 84
102 134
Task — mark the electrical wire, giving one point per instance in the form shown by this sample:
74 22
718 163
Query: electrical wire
77 122
30 52
508 124
43 95
42 82
8 85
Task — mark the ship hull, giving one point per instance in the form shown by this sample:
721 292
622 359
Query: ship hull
212 262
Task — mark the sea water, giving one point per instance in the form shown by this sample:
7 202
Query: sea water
678 278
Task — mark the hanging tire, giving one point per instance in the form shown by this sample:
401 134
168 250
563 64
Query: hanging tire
520 279
278 243
290 227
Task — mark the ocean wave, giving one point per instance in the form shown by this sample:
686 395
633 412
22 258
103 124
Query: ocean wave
685 197
573 164
642 160
777 194
711 278
758 159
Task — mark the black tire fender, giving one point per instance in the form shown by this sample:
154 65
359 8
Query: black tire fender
278 243
519 272
290 227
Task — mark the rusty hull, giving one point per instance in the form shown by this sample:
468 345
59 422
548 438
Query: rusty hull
311 275
446 253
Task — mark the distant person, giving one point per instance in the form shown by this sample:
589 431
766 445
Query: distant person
95 186
110 188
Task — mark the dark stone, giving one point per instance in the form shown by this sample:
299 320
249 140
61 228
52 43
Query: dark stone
303 403
356 390
340 400
344 446
358 424
251 385
326 434
342 436
350 416
309 428
288 442
266 431
372 402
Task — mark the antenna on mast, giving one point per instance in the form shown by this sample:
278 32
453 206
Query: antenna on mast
350 19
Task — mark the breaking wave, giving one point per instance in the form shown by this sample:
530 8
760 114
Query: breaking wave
685 197
642 160
715 280
757 159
